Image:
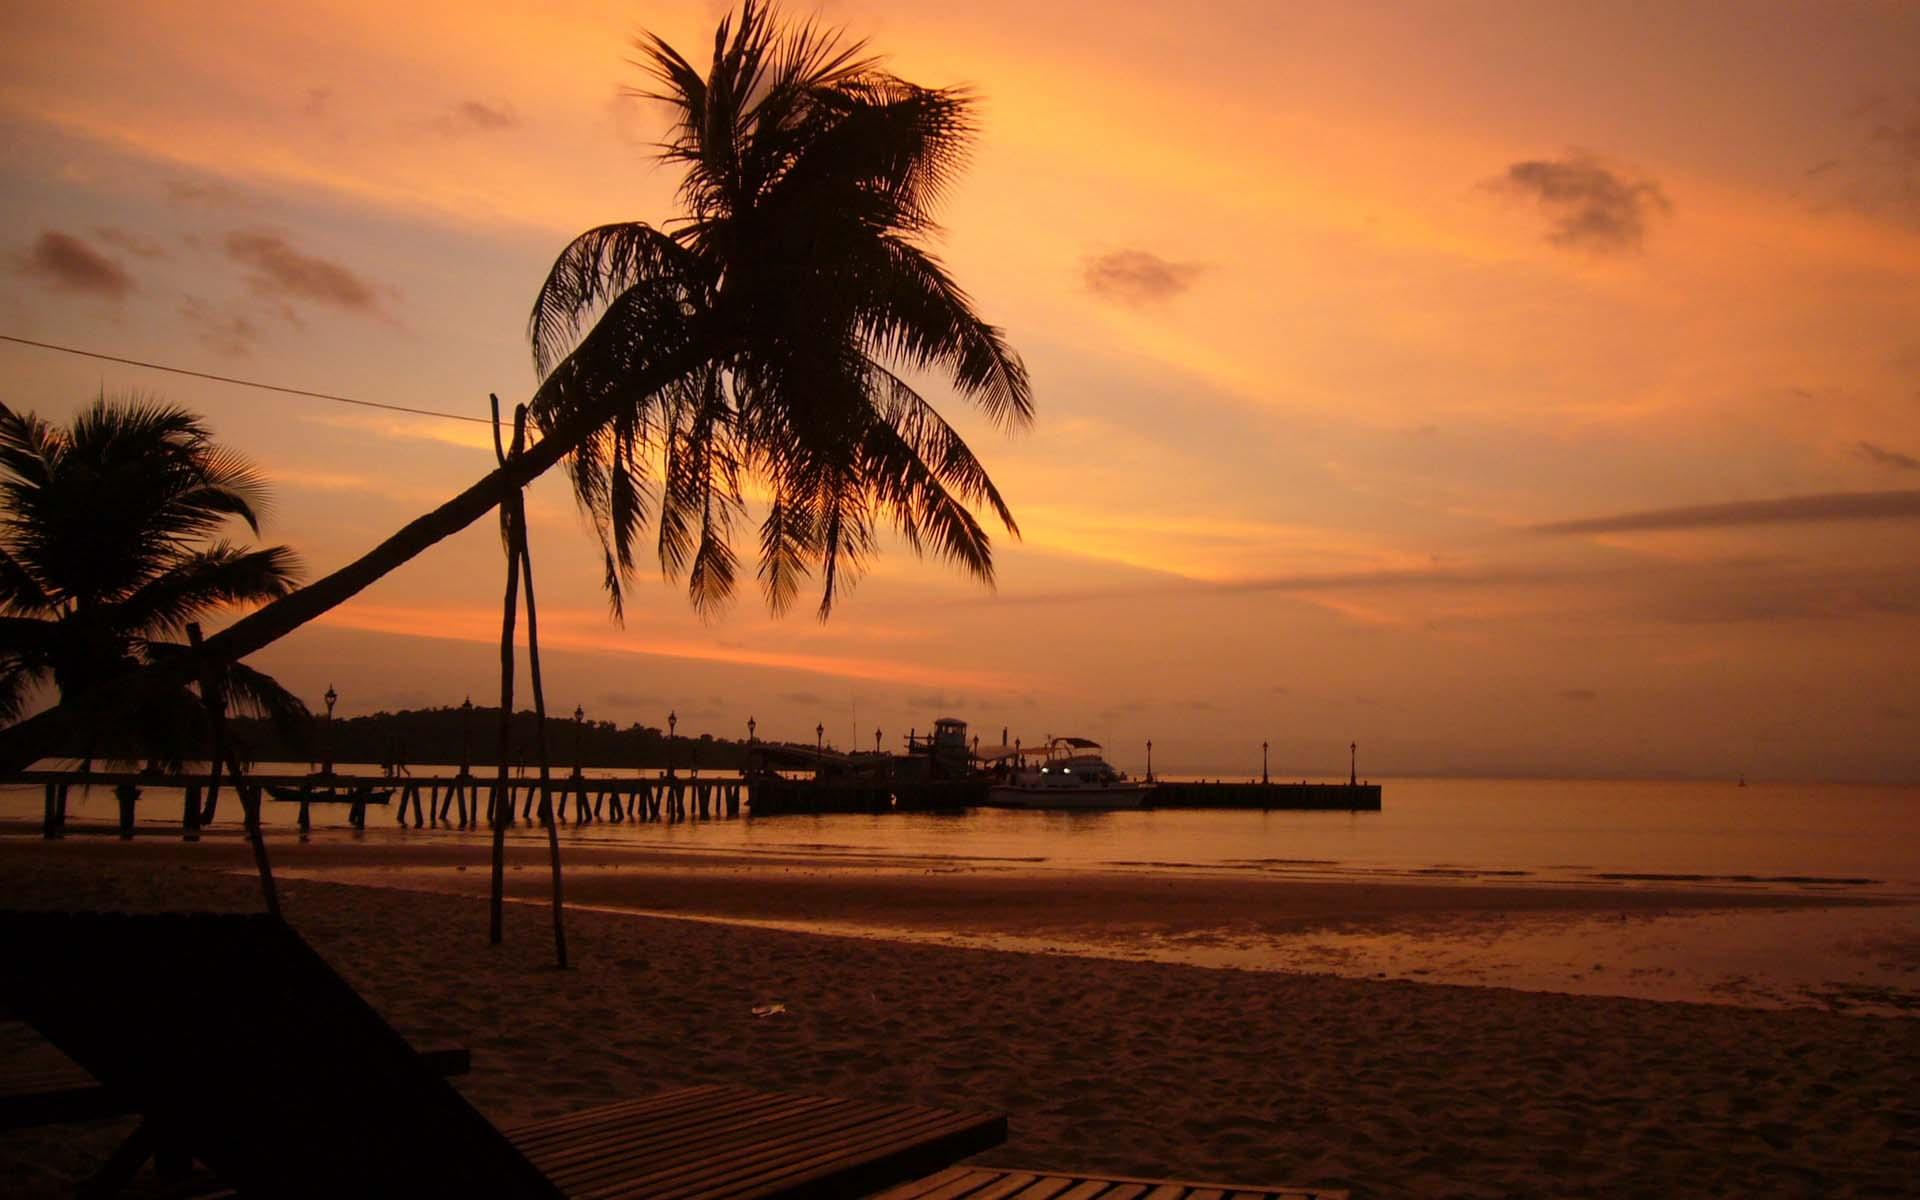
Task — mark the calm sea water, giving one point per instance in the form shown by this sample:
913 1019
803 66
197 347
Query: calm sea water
1843 836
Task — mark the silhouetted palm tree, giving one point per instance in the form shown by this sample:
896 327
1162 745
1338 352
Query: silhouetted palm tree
810 180
107 551
760 340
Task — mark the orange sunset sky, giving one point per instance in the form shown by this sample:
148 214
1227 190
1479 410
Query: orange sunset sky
1509 387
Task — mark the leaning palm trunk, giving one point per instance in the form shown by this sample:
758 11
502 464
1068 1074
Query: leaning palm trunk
769 336
40 735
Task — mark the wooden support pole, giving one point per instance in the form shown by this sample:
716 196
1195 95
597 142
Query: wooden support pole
50 821
509 614
250 807
213 696
128 795
190 814
540 714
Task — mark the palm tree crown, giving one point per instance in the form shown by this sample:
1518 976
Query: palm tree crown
800 279
105 554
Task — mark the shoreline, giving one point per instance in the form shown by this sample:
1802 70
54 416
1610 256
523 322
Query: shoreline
1388 1087
1754 946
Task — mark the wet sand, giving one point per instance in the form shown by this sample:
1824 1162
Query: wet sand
1388 1087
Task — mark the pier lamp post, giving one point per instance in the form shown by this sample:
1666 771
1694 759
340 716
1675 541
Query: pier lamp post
876 739
466 735
1149 760
1263 764
332 697
820 739
1353 764
673 719
751 726
579 724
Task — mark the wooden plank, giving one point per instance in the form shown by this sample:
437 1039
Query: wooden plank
824 1149
1006 1185
872 1158
672 1135
1128 1187
891 1154
590 1157
1044 1188
664 1113
954 1183
968 1183
727 1142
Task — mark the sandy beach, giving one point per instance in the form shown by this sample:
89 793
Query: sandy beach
1389 1088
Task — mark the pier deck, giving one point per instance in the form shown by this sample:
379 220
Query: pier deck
1340 797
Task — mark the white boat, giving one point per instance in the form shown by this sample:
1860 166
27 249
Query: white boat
1072 774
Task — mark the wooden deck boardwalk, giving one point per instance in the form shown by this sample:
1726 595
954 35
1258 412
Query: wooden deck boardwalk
1003 1183
718 1141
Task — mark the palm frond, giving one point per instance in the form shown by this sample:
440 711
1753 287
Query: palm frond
593 269
206 580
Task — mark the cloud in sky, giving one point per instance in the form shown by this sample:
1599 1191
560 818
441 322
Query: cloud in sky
472 116
1592 206
1138 277
132 243
279 270
1832 506
231 334
207 193
71 264
1880 456
1880 174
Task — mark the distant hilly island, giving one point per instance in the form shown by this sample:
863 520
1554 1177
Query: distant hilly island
436 736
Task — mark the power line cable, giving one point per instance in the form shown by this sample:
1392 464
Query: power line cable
252 383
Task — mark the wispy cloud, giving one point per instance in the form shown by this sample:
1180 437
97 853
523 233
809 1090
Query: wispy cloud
1833 506
279 270
1880 456
72 265
1592 206
213 194
1138 277
132 243
472 116
229 334
1879 175
586 631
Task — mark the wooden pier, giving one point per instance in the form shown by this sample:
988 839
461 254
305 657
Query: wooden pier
777 796
460 800
1335 797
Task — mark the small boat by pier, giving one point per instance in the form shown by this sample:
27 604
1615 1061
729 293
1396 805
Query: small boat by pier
1073 774
324 791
